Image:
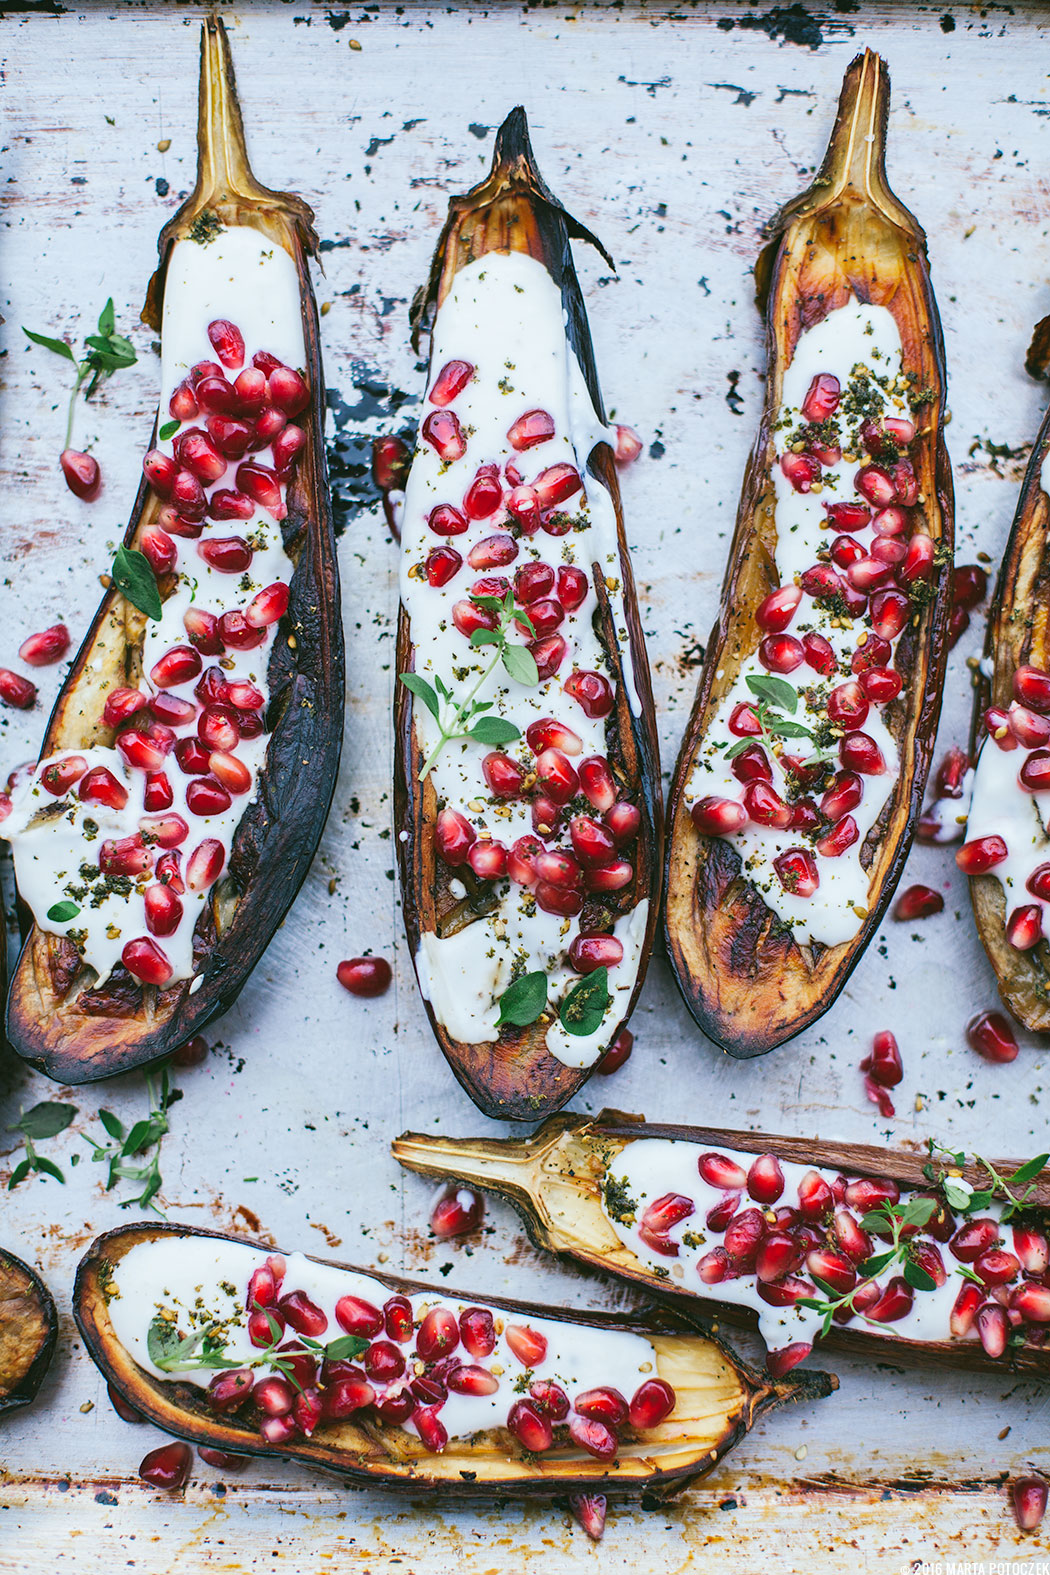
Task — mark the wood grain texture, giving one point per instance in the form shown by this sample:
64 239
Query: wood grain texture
676 138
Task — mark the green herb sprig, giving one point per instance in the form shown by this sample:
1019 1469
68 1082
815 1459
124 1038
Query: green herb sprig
202 1350
464 718
777 704
43 1121
897 1218
128 1146
132 574
963 1201
106 352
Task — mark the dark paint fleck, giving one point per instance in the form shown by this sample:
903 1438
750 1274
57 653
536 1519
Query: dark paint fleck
656 450
337 20
103 1497
650 87
162 186
375 144
947 23
733 397
350 448
477 130
742 95
790 24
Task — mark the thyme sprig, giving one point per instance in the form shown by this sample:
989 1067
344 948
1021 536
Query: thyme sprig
106 352
43 1121
777 703
964 1201
464 718
203 1350
897 1218
127 1146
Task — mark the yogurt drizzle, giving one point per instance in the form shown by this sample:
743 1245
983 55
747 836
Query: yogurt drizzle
244 276
856 335
504 315
203 1281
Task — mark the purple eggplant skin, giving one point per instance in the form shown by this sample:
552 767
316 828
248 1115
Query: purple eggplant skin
55 1021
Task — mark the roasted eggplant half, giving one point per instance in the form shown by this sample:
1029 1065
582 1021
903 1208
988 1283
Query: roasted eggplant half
28 1331
221 1341
1007 850
526 778
803 765
189 763
869 1250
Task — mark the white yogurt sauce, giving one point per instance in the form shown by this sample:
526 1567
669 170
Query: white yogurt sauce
852 334
1001 807
244 276
504 315
206 1280
650 1167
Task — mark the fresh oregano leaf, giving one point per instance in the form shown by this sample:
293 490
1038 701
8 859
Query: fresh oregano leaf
481 637
523 1001
47 1167
586 1004
45 1120
168 430
1028 1171
774 690
133 575
494 730
107 319
918 1277
521 665
113 1125
19 1174
956 1196
422 691
62 912
785 728
56 346
919 1210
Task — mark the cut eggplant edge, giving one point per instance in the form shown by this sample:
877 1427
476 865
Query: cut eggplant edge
75 1047
546 1176
517 1078
27 1319
1023 978
459 1471
782 993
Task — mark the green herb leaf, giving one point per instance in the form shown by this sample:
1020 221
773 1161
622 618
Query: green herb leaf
918 1277
112 1124
521 665
523 1001
133 575
494 730
876 1264
956 1196
492 604
482 637
45 1120
785 728
1028 1171
111 353
422 691
168 430
62 912
776 691
56 346
738 749
346 1348
586 1004
19 1174
919 1211
47 1167
140 1136
107 319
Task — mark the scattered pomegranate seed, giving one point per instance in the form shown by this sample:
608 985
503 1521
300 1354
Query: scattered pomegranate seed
61 775
714 1266
1024 927
594 1436
893 1304
984 853
617 1054
556 484
488 860
450 381
41 650
535 426
457 1211
603 1404
530 1426
590 951
591 691
205 864
628 445
964 1309
146 961
528 1345
822 398
884 1062
442 431
778 608
503 775
781 653
168 1466
16 691
365 976
992 1328
438 1334
802 470
1032 1249
992 1037
859 752
1028 1499
765 1179
874 651
918 902
595 780
743 1234
1031 1300
206 796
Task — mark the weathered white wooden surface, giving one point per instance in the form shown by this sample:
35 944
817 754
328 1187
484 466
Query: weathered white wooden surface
675 135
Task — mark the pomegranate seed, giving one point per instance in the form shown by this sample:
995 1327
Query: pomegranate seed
1024 927
442 431
722 1212
591 691
881 684
603 1404
194 450
628 448
521 860
168 831
82 474
894 1303
969 586
1028 1498
432 1433
125 856
228 1391
781 653
482 498
269 606
230 436
715 1266
558 776
1031 1247
469 618
802 470
160 471
288 390
666 1211
591 951
193 1053
992 1328
573 586
821 582
302 1314
488 860
364 976
718 817
263 486
777 1253
397 1408
530 1426
191 755
227 342
533 582
752 765
855 1242
873 652
822 399
743 1235
206 796
122 704
397 1319
743 721
477 1331
227 554
545 616
832 1269
617 1054
820 654
848 516
848 704
442 564
918 902
875 484
927 1257
146 961
100 786
40 650
205 865
523 505
859 752
1031 1300
592 1435
264 1284
250 388
450 381
905 483
535 426
138 749
778 608
556 484
890 610
548 653
438 1334
203 630
974 1237
596 783
457 1211
718 1171
624 821
1031 686
884 1062
528 1345
286 448
176 666
765 1179
991 1036
168 1466
780 1362
964 1309
868 574
765 806
493 552
62 775
651 1403
469 1380
868 1193
797 872
815 1197
984 853
919 562
171 710
997 1267
889 549
1035 771
609 877
561 900
168 869
1028 727
278 1429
